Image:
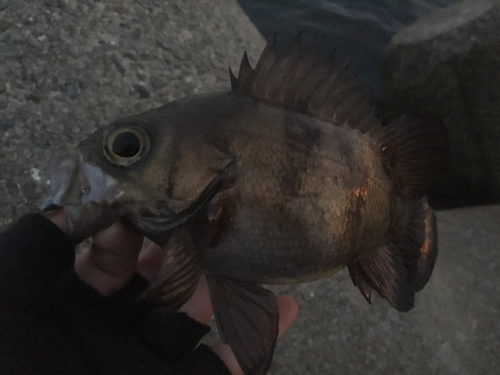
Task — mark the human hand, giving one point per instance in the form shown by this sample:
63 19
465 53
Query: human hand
116 255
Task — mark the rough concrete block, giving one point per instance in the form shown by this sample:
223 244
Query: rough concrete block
447 64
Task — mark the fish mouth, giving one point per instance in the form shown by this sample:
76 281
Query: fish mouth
89 198
81 189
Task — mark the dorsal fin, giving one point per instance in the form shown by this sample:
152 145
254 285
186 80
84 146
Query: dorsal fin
305 82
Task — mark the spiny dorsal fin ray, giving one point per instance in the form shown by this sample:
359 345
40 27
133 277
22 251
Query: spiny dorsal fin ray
265 67
246 73
305 82
234 80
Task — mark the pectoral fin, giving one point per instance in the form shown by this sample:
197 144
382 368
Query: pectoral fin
247 318
179 274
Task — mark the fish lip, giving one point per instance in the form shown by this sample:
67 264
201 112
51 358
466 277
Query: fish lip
73 181
80 188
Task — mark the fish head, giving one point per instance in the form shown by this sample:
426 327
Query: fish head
109 175
155 170
119 171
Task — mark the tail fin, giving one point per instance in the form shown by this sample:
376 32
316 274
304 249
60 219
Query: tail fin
422 233
398 270
415 152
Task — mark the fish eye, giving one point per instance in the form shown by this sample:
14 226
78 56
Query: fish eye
126 146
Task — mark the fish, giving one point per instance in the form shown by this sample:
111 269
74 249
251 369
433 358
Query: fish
288 177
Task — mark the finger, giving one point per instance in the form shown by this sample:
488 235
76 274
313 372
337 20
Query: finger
57 217
199 307
287 308
111 261
150 262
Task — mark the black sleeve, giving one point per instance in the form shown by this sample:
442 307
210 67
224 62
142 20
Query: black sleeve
53 323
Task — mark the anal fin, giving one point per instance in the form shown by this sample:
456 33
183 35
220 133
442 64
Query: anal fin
400 269
358 279
383 270
247 318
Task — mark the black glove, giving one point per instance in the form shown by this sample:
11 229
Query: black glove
53 323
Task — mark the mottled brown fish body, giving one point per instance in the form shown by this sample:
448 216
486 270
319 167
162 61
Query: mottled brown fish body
288 177
307 196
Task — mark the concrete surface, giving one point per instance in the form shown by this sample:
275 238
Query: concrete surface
68 66
453 329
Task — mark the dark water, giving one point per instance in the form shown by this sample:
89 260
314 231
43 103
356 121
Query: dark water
359 30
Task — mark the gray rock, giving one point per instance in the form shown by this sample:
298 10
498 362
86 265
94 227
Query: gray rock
448 64
68 67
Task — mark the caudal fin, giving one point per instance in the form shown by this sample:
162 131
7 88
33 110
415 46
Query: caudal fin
398 270
415 152
422 227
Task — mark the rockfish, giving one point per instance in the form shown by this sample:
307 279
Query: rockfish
286 178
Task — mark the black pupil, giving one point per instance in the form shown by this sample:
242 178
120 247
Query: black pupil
126 145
